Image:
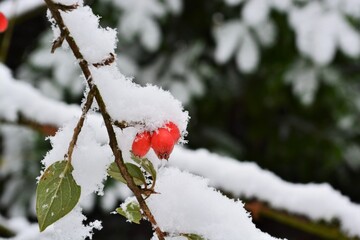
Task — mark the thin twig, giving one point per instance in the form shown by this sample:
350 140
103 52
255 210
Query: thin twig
106 116
124 124
79 125
44 128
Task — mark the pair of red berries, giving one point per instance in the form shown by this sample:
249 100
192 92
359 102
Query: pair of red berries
162 141
3 23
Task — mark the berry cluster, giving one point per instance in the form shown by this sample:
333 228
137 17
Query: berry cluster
162 141
3 23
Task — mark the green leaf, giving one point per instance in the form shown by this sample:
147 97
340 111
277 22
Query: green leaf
133 170
57 194
193 237
146 164
114 172
132 212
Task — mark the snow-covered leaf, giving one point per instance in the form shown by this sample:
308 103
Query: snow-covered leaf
174 6
324 47
131 211
281 5
228 38
233 2
247 57
266 33
255 12
57 194
349 42
150 35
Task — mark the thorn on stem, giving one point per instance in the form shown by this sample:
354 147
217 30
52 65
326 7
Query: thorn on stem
57 43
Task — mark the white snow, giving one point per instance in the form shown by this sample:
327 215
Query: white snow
96 43
69 2
255 12
187 205
304 81
129 102
12 8
138 18
73 229
246 179
90 158
248 55
30 103
227 37
266 33
321 29
242 179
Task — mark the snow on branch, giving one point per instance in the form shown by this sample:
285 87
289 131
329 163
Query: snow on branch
246 179
242 179
12 8
20 100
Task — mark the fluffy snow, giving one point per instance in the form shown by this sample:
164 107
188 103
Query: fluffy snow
227 37
96 43
246 179
22 94
90 158
320 32
138 18
304 81
321 27
266 33
15 143
235 37
315 201
69 2
255 12
90 161
129 102
247 57
187 205
174 6
73 229
12 8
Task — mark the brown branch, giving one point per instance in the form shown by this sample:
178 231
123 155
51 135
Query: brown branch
260 210
46 129
79 125
107 119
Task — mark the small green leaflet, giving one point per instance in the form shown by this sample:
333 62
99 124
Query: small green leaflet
57 194
132 212
133 170
146 164
193 237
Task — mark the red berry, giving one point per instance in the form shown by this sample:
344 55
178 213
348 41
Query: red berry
141 144
163 143
174 130
3 23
